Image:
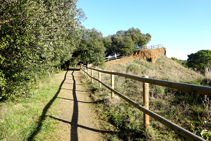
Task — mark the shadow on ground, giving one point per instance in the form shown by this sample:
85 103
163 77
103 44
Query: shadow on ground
43 116
80 101
88 128
74 122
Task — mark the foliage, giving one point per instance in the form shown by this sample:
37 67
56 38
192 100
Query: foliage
199 60
175 59
134 68
138 38
124 42
35 36
91 49
182 62
2 84
107 41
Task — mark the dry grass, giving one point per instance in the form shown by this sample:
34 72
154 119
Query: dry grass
191 111
164 68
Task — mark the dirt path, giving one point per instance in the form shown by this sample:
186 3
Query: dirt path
76 117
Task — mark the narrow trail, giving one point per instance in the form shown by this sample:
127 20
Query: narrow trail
77 121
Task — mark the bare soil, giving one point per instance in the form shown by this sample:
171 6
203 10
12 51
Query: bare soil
150 55
77 119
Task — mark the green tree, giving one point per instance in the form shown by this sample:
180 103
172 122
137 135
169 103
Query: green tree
138 38
126 45
107 41
35 36
124 42
199 60
91 49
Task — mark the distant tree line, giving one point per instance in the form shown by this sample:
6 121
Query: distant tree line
93 46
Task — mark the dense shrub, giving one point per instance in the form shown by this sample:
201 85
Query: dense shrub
134 68
35 37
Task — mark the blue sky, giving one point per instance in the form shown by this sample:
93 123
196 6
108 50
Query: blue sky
182 26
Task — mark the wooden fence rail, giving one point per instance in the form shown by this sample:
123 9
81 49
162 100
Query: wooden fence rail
180 86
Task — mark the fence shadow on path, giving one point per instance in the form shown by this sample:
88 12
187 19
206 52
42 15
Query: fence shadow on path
43 116
74 122
81 101
82 126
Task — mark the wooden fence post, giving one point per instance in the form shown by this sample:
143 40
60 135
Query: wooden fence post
99 77
88 70
112 86
92 75
146 103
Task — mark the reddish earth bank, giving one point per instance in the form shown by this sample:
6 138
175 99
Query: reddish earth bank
150 55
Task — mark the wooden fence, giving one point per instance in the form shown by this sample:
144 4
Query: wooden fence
145 108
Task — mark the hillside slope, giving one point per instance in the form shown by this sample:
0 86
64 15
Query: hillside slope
164 69
188 110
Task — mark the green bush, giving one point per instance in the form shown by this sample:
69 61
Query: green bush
2 84
34 45
134 68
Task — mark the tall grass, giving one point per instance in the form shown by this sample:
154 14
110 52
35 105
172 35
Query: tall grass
189 110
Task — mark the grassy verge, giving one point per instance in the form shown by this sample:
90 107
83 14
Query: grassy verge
189 110
19 119
116 116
